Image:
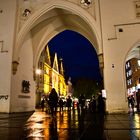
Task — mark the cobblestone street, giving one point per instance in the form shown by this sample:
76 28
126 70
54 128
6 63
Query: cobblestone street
69 125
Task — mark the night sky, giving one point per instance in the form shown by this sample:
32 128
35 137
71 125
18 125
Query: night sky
79 57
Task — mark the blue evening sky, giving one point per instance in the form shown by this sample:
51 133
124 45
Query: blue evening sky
78 54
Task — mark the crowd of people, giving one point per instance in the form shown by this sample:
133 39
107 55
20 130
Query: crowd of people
97 103
134 101
53 101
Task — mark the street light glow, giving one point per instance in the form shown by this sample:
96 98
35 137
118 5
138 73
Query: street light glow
38 71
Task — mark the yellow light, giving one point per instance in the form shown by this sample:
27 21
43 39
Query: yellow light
38 71
46 88
46 84
138 62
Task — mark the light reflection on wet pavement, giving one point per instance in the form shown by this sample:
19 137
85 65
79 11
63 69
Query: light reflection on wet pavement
69 125
65 125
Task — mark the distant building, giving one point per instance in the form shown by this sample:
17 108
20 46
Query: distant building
51 75
69 87
132 71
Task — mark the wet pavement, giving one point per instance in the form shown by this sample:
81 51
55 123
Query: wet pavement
69 125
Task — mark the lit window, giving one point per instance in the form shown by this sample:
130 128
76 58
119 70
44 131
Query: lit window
127 74
127 82
128 65
130 72
130 81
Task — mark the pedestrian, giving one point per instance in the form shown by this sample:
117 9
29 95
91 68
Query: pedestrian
47 105
69 102
42 104
93 104
101 103
53 101
82 101
61 103
138 100
131 103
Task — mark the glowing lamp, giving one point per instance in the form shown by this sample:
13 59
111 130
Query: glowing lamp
104 93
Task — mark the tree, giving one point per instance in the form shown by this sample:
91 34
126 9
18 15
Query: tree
88 87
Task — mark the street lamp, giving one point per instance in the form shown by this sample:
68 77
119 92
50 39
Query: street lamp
38 71
38 91
40 80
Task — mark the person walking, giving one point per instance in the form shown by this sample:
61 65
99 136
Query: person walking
138 100
69 101
93 104
131 103
43 104
61 103
101 104
53 101
82 101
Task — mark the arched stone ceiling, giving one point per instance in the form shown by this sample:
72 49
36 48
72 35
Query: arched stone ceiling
52 19
134 52
58 20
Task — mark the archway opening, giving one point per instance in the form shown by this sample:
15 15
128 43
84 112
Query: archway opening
80 67
39 29
132 74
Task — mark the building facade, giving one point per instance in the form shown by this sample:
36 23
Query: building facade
132 75
51 75
27 26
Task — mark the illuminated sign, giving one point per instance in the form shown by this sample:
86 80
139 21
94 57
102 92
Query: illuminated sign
104 93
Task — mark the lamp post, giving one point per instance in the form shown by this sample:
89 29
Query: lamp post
38 95
40 79
38 72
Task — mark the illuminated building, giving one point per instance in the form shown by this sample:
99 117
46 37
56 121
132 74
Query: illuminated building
132 72
69 87
62 84
51 75
28 25
55 73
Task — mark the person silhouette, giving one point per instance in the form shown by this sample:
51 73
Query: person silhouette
101 104
42 104
69 101
61 103
131 102
82 101
53 100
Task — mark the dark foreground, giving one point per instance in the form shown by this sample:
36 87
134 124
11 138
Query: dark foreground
69 125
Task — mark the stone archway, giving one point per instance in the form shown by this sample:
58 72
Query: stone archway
132 56
87 22
41 26
131 52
